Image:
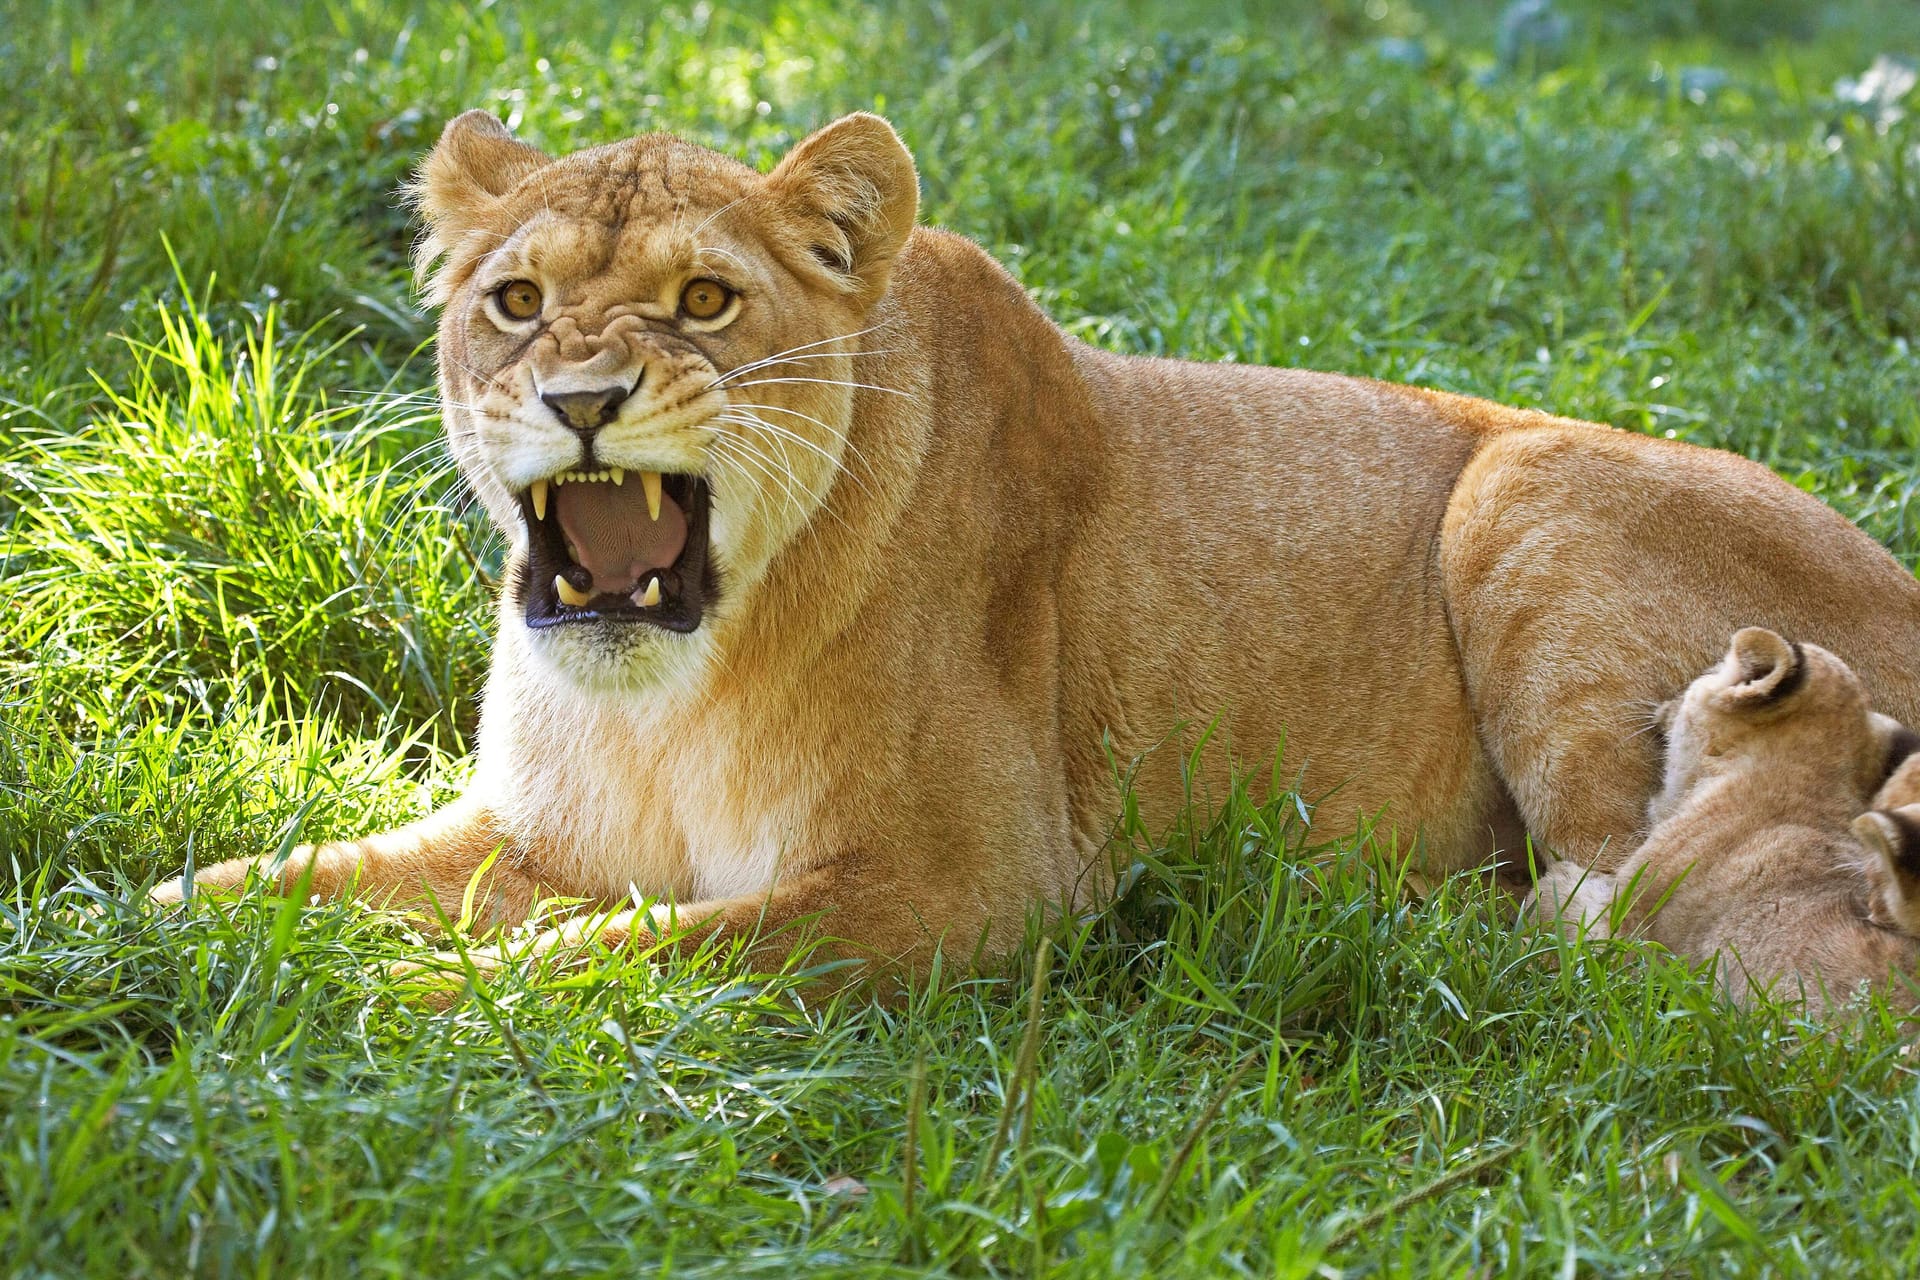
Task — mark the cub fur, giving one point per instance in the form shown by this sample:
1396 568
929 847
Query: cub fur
1751 858
927 567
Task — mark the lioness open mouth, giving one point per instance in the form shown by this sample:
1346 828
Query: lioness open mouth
617 546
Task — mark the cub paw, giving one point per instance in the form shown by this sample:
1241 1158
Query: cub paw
1573 900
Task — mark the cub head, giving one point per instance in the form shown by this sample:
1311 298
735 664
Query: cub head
1892 840
1793 709
647 357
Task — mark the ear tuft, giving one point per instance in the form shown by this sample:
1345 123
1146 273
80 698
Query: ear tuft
460 183
857 178
1767 667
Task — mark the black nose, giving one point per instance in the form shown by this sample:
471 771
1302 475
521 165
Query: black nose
587 411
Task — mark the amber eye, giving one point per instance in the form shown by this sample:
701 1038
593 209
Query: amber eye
520 299
705 299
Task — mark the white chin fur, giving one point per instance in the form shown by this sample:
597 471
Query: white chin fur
602 658
614 657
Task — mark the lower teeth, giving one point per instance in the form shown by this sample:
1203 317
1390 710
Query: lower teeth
645 597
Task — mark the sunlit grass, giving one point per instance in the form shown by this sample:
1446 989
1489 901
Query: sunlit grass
244 603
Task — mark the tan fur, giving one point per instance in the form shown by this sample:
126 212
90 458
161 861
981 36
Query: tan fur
979 559
1751 860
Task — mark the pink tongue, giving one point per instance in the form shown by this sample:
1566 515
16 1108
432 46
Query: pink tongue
612 534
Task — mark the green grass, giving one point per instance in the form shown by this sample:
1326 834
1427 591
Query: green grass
244 600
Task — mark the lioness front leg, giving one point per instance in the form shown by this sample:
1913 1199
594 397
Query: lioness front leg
886 929
422 866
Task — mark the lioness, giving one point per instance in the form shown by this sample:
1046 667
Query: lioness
840 577
1750 860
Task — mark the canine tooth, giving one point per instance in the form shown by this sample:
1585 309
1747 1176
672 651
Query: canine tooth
539 495
651 596
619 475
566 592
650 480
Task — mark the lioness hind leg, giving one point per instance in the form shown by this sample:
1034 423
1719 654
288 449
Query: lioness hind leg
1592 574
866 924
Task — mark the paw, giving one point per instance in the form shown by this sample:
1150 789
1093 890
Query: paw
1572 899
226 877
172 891
438 979
435 982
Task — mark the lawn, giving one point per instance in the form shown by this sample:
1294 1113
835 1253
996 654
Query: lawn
246 602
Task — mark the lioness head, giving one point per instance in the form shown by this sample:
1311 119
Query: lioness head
1776 704
647 358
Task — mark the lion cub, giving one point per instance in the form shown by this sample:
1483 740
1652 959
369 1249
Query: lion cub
1753 853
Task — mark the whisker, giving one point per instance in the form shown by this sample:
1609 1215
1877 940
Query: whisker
706 221
784 465
704 250
761 463
790 351
830 382
819 499
483 379
727 377
830 430
780 433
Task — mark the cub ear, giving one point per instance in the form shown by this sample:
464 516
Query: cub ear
856 179
1662 720
1767 668
1900 770
1892 838
460 183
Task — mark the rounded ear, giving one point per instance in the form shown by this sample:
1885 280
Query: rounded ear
1767 668
1663 717
856 178
1892 838
1878 831
1899 779
460 183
